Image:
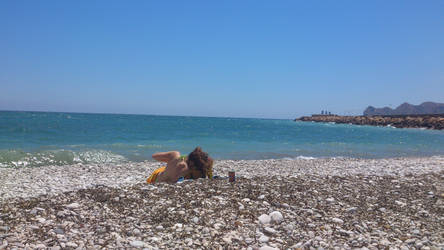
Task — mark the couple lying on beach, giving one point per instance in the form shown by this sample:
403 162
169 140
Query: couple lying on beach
196 165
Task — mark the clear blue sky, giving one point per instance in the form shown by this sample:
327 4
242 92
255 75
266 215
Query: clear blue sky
271 59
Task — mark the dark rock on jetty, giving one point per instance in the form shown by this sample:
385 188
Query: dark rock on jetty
398 121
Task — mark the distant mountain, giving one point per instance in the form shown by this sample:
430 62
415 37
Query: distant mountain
407 109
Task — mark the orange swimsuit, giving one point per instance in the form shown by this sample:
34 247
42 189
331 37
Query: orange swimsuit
153 176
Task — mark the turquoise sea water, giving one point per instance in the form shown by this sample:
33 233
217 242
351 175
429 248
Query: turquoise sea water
40 138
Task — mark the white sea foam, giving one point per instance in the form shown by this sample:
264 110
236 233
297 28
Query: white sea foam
17 159
301 157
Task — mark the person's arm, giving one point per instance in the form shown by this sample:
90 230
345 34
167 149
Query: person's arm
169 175
166 156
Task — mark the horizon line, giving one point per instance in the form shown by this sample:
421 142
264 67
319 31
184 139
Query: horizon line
105 113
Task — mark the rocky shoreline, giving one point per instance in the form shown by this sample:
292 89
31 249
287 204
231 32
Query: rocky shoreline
274 204
397 121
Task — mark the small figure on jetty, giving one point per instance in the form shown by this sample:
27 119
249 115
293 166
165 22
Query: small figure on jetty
196 165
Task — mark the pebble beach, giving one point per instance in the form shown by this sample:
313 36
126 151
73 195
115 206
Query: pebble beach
329 203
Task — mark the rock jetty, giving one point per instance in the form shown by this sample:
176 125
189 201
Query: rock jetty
397 121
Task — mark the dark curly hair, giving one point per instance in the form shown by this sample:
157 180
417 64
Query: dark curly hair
199 160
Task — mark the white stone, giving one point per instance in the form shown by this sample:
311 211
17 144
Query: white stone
41 220
249 240
190 243
298 245
261 197
263 239
270 230
40 246
73 205
330 200
264 219
137 243
276 217
268 248
160 227
399 203
384 242
337 220
289 227
155 239
351 209
136 232
227 240
195 220
410 241
59 231
71 244
344 232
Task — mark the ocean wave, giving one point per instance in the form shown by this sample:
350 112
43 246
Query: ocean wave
18 158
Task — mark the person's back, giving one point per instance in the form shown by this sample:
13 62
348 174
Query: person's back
196 165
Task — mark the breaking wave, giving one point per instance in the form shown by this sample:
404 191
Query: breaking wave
17 158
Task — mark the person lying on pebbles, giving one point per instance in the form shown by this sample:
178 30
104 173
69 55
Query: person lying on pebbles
196 165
